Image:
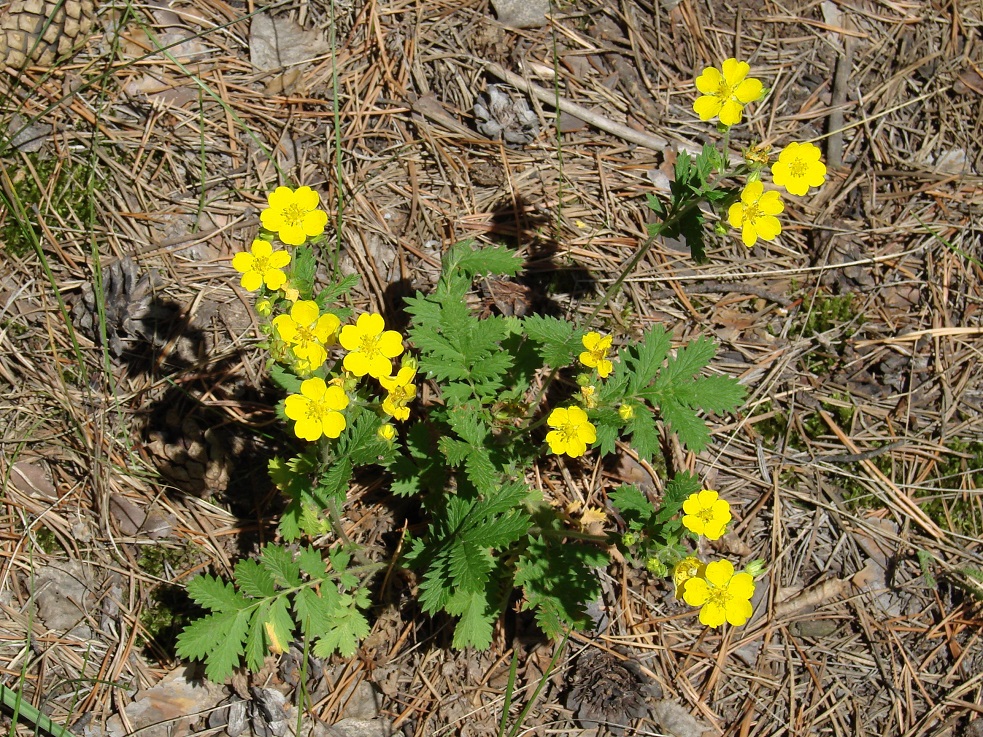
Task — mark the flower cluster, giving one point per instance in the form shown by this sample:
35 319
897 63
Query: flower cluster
725 92
303 333
722 594
572 431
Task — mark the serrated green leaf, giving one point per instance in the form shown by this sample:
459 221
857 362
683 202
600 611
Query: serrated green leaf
646 358
491 260
311 562
644 434
289 525
286 380
711 393
467 422
278 623
435 588
682 485
631 502
348 627
480 470
503 531
215 594
474 628
607 436
469 566
332 487
689 360
556 340
455 451
313 610
281 565
689 428
253 579
255 647
333 292
303 270
202 636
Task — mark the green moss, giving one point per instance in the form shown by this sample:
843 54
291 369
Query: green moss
56 189
168 609
956 503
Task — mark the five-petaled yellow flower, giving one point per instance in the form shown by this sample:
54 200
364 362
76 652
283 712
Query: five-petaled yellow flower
596 355
308 333
317 409
798 168
401 390
755 214
261 265
705 513
724 596
294 215
726 91
573 432
685 570
370 346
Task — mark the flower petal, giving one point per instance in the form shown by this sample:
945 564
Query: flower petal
749 90
707 107
709 81
734 71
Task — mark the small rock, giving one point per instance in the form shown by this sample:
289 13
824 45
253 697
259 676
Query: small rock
522 13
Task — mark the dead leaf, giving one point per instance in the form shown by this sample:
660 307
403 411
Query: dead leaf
276 43
31 477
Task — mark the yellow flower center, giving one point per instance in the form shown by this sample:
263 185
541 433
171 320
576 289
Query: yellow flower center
724 90
305 335
316 409
293 214
261 263
369 345
719 596
798 168
705 515
569 432
399 395
751 213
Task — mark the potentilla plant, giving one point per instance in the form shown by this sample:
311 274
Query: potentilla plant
506 395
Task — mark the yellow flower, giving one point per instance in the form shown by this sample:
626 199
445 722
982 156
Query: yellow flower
595 356
798 168
755 214
386 432
370 346
726 91
573 432
308 333
685 570
704 513
724 596
317 409
401 390
294 215
261 265
626 412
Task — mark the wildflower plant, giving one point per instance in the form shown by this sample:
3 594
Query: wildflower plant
711 183
508 398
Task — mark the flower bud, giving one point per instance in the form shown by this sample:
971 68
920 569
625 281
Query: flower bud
755 567
264 307
386 432
626 412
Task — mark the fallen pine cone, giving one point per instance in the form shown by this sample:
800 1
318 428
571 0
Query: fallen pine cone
41 31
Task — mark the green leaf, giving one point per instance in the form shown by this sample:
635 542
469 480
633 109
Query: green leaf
304 268
645 360
311 562
491 260
711 393
254 580
256 644
557 341
285 379
644 434
348 627
279 620
469 566
474 628
631 502
333 292
215 594
202 636
689 360
678 490
332 487
504 531
281 565
689 428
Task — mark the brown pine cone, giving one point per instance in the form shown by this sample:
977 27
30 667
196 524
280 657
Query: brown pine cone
194 459
40 31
